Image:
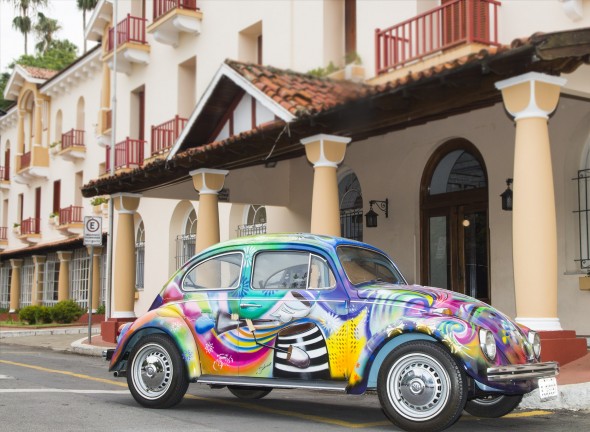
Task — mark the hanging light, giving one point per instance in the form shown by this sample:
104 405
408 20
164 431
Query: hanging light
371 216
507 196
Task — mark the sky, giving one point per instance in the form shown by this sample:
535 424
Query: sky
12 41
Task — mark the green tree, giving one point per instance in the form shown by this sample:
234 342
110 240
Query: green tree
22 22
84 6
4 104
45 29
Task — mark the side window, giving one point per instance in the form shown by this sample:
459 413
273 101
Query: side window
291 270
220 272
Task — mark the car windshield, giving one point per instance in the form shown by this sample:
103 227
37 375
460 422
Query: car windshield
364 266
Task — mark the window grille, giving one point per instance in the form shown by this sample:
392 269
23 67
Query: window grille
246 230
351 206
26 287
103 277
185 248
351 224
5 279
79 270
583 213
51 280
255 221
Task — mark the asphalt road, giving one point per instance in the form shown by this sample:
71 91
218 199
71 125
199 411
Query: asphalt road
42 390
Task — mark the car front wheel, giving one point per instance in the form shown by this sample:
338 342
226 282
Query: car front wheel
157 376
421 387
493 406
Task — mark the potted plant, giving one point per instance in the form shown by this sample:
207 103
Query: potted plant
55 147
16 228
54 218
97 204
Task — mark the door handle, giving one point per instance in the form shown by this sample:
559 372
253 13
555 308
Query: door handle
250 305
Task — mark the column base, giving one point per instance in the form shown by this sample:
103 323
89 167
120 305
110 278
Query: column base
108 329
562 346
540 324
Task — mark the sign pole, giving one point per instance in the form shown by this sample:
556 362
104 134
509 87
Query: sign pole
90 280
92 237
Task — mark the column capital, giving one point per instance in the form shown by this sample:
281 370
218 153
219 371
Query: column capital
126 203
64 256
208 181
39 259
16 263
531 95
324 150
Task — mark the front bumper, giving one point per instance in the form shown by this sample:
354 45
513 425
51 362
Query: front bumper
529 371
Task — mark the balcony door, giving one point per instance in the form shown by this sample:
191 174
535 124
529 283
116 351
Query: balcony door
454 215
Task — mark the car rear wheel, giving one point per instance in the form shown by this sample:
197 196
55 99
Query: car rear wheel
493 406
157 376
421 387
244 392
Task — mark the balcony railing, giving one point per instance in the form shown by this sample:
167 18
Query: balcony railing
164 136
70 215
72 138
131 29
30 226
162 7
25 160
3 233
128 154
454 23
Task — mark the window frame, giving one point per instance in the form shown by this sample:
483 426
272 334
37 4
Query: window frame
196 264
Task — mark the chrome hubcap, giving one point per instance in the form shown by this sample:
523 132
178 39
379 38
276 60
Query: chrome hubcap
418 386
152 371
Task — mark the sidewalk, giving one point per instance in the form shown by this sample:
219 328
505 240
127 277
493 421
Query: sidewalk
573 379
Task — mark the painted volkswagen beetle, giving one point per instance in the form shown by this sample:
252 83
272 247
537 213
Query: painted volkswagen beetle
317 312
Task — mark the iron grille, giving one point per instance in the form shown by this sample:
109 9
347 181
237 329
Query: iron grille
51 280
185 248
351 223
139 264
583 212
79 270
26 288
246 230
5 278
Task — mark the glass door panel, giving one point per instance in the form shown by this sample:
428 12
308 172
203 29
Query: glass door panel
475 264
439 274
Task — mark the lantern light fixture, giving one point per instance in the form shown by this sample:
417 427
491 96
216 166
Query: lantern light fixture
371 215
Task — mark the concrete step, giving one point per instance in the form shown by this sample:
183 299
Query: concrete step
562 346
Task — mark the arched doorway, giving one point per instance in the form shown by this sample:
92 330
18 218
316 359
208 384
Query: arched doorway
454 221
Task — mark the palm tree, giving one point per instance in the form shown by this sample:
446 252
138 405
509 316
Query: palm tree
22 22
45 29
85 5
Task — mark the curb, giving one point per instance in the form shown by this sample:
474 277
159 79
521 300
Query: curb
79 347
47 332
572 397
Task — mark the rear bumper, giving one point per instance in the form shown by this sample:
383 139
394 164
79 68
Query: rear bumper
529 371
108 354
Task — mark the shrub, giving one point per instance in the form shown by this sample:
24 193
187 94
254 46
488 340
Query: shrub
100 310
66 312
43 315
28 314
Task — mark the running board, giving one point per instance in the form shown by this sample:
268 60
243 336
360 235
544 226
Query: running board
273 382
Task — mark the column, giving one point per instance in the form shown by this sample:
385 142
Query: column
530 98
37 289
126 205
63 283
325 152
16 265
95 276
208 182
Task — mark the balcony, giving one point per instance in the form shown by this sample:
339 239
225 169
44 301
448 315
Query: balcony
467 24
165 135
32 165
72 145
173 17
132 46
3 237
30 230
128 155
4 177
71 220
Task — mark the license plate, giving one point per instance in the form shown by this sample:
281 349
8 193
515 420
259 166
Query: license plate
548 388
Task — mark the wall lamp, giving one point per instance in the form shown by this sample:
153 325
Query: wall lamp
371 216
507 196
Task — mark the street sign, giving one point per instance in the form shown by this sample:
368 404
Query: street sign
92 231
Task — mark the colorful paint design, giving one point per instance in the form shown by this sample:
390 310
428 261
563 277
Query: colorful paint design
328 334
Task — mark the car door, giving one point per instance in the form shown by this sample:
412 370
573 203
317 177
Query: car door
294 315
211 289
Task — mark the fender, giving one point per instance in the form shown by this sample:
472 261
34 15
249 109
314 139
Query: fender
167 320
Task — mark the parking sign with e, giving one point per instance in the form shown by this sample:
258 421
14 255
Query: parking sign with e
92 231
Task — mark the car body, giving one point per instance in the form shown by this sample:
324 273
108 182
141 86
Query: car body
309 311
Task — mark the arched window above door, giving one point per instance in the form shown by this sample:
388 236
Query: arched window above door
351 205
457 171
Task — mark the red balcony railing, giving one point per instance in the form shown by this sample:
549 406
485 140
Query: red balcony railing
454 23
131 29
69 215
4 174
72 138
162 7
30 226
164 136
128 154
3 232
25 160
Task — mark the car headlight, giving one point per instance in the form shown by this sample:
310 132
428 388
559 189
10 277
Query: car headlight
535 341
487 344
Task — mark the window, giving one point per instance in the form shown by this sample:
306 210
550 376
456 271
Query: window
79 269
26 281
220 272
51 280
250 47
139 256
363 266
458 171
185 242
255 221
351 205
103 276
290 270
5 279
